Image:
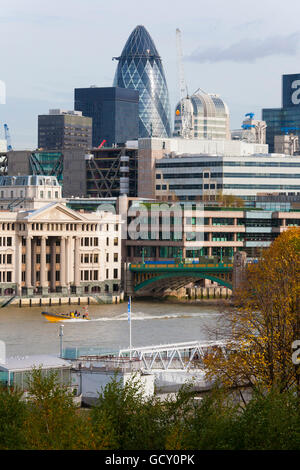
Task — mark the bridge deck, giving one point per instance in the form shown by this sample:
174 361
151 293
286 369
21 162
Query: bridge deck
178 355
180 267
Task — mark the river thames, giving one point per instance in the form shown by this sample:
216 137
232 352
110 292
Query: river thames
25 331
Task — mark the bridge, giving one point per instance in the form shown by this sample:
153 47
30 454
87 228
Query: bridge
158 276
183 356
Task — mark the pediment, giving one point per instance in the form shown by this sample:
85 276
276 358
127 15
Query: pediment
56 213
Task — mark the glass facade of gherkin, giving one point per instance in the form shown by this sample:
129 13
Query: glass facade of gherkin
140 67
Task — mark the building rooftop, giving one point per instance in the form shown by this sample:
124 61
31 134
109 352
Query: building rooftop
21 363
28 180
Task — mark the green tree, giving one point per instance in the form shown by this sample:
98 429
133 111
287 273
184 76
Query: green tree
53 421
12 418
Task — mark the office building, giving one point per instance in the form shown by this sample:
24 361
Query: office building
48 249
252 130
284 120
209 117
64 130
287 144
114 112
111 172
67 165
189 177
140 68
156 155
190 230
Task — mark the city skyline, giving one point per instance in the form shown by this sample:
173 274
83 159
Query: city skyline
48 50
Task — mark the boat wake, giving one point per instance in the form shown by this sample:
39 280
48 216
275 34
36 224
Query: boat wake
140 316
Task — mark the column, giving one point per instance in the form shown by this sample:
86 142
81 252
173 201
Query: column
43 272
63 265
68 261
28 266
77 264
18 264
210 241
33 262
52 263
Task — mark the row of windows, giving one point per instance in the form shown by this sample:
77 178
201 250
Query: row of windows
7 226
5 241
197 186
67 227
227 175
92 275
5 259
227 163
5 276
261 186
116 241
89 241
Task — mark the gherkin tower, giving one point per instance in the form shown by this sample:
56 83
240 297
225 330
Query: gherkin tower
140 67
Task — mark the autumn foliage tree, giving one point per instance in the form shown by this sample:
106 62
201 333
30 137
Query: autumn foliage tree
264 322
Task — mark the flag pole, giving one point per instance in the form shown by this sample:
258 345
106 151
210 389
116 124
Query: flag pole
129 319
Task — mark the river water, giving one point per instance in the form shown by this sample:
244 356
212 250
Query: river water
25 331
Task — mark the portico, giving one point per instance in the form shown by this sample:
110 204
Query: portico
58 251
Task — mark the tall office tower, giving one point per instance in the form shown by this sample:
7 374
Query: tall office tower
64 130
285 120
114 112
210 117
140 67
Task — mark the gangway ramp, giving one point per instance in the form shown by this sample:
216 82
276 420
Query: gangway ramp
180 356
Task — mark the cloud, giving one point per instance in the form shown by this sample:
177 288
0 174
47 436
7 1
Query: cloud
249 50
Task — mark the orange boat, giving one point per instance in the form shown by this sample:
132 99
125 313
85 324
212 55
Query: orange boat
57 317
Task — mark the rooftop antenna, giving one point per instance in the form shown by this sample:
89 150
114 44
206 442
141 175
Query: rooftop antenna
185 103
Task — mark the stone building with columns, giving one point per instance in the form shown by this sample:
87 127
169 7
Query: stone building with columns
51 250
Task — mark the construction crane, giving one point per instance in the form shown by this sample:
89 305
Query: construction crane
186 107
7 137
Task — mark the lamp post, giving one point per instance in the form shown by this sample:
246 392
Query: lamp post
61 334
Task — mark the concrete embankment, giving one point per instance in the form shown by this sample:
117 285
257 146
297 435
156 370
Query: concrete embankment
55 300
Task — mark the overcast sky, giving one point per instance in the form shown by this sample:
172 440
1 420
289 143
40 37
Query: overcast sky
237 49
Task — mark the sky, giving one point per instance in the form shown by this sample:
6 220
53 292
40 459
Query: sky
236 49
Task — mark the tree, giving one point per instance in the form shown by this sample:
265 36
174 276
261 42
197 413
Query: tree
12 418
229 200
265 321
53 421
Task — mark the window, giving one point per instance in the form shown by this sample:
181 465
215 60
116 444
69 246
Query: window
115 273
116 241
116 257
8 259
